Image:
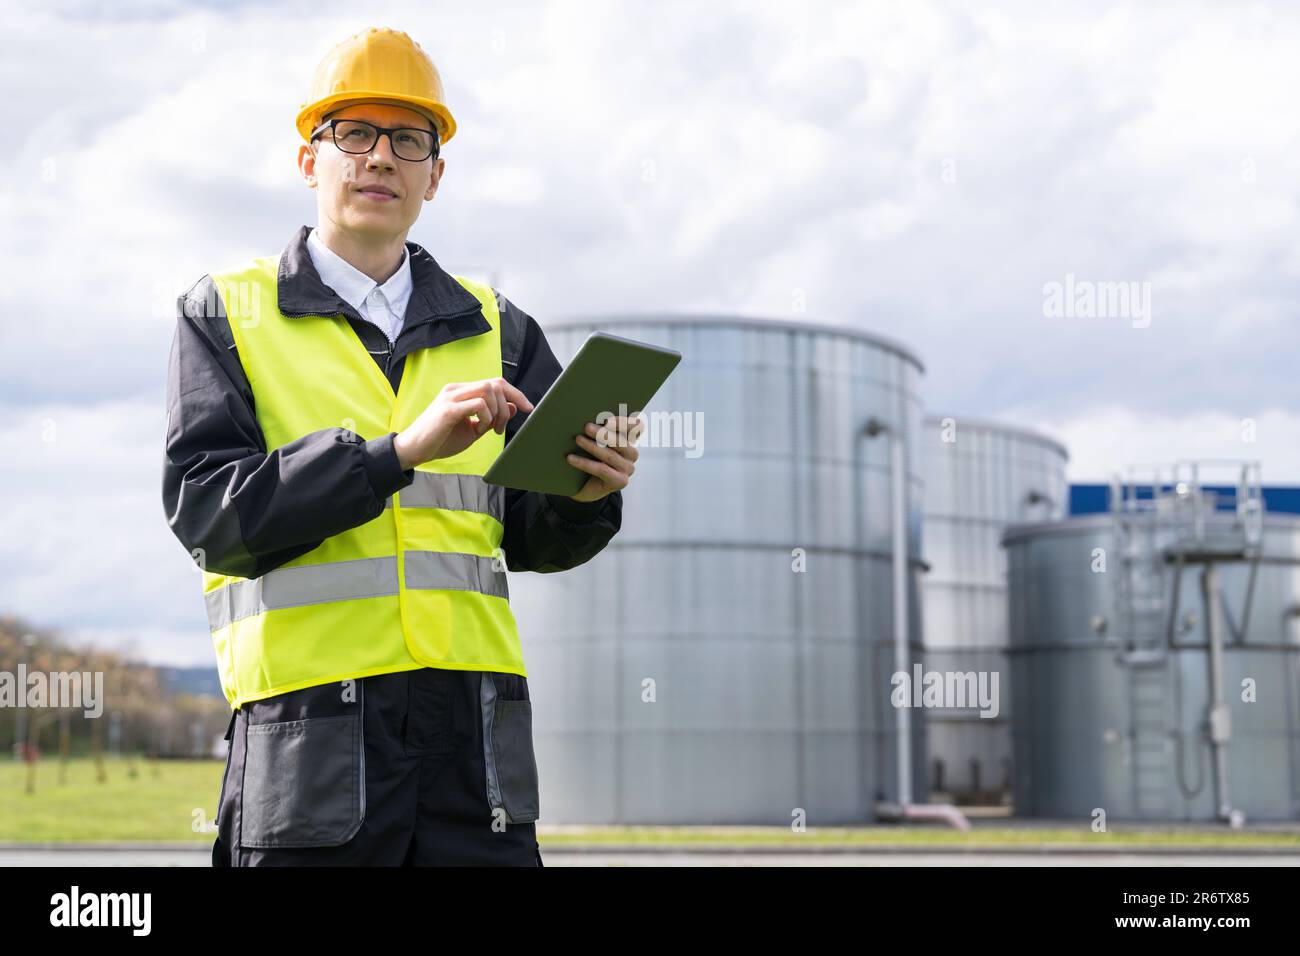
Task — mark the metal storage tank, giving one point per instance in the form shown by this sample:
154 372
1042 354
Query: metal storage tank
1131 680
980 477
690 674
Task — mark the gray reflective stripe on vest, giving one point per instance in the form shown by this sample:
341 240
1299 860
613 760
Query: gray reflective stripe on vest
431 489
442 570
304 584
350 580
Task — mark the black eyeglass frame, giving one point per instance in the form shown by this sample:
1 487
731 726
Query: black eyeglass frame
331 125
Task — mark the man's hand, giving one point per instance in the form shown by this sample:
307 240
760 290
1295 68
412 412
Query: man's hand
460 415
613 448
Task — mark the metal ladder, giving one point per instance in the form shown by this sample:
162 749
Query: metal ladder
1152 744
1139 588
1139 594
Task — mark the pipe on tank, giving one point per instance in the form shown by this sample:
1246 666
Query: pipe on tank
945 812
1219 716
1034 497
904 808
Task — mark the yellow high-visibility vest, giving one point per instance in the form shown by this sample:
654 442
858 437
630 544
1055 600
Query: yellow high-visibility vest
423 584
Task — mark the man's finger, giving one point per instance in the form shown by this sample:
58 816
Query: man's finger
516 396
610 456
474 407
492 398
612 478
622 426
614 438
502 406
629 431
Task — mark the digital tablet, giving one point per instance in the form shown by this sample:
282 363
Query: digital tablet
609 374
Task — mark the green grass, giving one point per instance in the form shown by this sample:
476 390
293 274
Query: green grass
156 805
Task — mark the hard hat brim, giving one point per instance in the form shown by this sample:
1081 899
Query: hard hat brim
308 116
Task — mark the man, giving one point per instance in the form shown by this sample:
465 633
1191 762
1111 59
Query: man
331 412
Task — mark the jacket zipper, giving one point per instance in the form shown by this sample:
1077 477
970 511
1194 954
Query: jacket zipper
392 346
388 360
362 688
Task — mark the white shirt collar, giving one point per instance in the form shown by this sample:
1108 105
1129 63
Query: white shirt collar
353 285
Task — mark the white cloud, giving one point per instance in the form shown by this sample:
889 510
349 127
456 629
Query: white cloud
1107 440
86 542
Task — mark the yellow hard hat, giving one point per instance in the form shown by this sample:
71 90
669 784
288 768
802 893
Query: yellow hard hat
378 65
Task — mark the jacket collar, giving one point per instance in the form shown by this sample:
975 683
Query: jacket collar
435 294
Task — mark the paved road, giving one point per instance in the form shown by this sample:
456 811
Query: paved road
202 857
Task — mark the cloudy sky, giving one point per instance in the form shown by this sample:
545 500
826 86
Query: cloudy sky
918 169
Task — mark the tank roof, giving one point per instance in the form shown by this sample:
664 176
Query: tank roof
721 318
990 424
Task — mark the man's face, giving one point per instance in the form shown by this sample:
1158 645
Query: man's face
352 189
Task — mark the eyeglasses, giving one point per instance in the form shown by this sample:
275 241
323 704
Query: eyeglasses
357 136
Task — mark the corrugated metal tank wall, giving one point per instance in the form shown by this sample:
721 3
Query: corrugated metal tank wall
980 477
770 686
1093 732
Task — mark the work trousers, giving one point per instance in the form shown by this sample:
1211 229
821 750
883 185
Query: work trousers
428 767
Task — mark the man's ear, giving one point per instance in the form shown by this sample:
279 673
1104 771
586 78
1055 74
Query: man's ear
434 178
307 164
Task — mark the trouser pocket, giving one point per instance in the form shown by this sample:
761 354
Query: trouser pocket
304 782
508 749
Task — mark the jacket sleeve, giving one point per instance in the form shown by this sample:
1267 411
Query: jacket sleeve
236 508
546 532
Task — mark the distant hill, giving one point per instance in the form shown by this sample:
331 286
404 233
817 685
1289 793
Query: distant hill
202 680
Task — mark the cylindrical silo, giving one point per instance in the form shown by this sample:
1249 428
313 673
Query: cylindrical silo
727 658
980 477
1111 668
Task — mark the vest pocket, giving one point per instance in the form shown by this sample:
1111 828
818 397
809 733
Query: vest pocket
303 782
